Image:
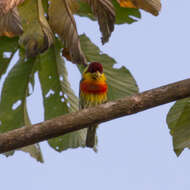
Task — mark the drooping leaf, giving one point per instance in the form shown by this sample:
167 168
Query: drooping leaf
151 6
45 25
58 97
178 120
65 53
7 49
13 111
13 95
12 104
123 15
10 25
7 5
66 28
37 36
105 13
120 81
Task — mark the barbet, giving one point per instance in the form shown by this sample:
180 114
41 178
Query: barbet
93 91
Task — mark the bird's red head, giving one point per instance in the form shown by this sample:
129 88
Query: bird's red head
95 66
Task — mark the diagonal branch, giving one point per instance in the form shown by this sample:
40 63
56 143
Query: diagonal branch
67 123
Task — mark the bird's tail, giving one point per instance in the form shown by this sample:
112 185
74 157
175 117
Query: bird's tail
91 139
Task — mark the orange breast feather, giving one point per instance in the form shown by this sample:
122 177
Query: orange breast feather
93 87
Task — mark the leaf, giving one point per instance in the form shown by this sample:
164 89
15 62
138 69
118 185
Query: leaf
84 9
10 25
58 97
4 62
8 45
120 81
125 15
178 120
151 6
13 96
66 28
65 53
37 36
10 153
104 11
7 5
65 85
34 151
7 49
13 111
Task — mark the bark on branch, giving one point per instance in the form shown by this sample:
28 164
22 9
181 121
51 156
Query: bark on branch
67 123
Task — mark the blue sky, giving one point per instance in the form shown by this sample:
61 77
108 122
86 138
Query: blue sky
135 152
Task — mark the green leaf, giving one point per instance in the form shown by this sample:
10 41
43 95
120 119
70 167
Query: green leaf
120 81
13 111
7 49
8 44
58 97
178 120
84 10
13 95
34 150
123 15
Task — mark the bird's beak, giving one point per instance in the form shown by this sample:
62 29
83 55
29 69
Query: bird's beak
96 75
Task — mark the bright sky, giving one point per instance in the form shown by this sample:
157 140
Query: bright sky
135 152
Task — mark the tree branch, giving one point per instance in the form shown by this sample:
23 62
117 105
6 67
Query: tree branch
70 122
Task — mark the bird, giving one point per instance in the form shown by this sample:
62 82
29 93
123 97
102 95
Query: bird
93 91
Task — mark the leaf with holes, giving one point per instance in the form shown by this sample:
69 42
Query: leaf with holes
178 120
13 96
66 28
13 112
7 49
120 81
58 97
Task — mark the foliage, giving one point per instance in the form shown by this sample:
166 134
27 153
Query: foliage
178 120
